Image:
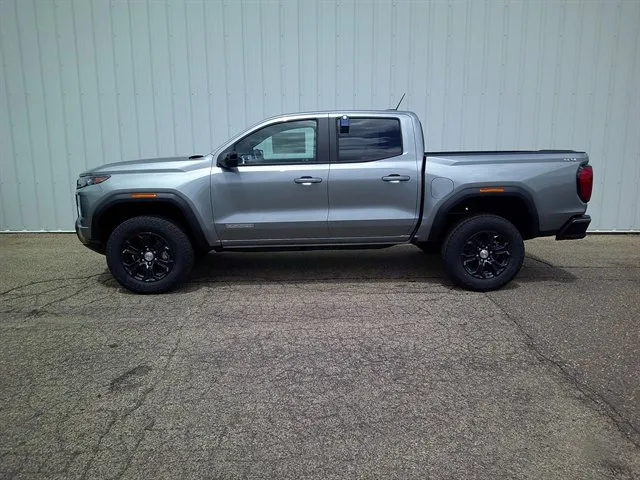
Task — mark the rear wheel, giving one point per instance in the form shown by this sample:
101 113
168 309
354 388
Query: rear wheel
483 252
149 255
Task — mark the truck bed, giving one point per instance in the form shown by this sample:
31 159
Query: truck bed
496 152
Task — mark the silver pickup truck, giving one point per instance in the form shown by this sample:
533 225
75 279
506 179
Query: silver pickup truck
331 180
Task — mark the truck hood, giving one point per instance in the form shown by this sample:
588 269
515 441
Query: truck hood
152 165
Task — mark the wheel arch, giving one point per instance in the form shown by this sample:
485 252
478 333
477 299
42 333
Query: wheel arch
122 206
512 203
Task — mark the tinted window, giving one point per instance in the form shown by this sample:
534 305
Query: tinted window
368 139
288 142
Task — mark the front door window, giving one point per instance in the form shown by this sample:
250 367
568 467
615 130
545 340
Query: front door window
287 143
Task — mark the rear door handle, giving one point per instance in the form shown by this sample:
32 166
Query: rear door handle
307 180
395 178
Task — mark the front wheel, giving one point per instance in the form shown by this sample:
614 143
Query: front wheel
483 253
149 255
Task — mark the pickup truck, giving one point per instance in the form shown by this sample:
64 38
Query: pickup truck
343 179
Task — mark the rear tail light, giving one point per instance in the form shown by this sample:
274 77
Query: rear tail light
585 182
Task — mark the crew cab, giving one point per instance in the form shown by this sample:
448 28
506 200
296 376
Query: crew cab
341 179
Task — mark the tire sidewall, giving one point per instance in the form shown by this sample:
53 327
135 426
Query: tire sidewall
458 237
176 239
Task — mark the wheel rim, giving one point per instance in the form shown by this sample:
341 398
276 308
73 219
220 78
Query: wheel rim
486 254
147 257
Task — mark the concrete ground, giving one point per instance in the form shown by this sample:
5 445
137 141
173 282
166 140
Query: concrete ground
343 364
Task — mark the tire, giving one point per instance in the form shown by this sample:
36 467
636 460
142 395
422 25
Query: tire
483 253
169 255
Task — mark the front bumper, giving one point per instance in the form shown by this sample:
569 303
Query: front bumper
575 228
83 235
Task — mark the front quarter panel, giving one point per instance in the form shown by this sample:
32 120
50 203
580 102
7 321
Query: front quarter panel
188 180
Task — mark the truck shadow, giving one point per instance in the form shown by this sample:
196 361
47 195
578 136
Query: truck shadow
401 263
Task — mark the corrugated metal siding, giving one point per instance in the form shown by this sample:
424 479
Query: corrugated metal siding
86 82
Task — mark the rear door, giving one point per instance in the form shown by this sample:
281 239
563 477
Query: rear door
374 178
278 194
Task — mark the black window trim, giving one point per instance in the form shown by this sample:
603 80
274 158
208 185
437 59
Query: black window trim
322 150
333 137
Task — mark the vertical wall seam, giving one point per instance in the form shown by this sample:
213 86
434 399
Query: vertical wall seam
262 56
636 152
189 83
503 76
482 116
465 75
298 55
336 94
34 180
520 82
243 45
133 80
67 143
80 90
171 87
630 90
21 211
576 76
373 44
226 75
356 29
557 75
98 89
49 162
153 82
283 82
592 92
594 76
411 61
115 82
392 94
610 86
537 100
207 71
447 75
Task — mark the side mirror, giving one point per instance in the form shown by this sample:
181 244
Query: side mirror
228 160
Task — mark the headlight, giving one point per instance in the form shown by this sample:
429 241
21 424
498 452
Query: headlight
91 180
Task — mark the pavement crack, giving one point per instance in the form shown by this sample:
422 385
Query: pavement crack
96 448
38 282
599 403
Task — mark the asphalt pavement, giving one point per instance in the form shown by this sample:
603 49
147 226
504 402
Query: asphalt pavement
332 364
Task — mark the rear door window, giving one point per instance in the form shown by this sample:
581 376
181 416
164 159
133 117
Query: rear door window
369 139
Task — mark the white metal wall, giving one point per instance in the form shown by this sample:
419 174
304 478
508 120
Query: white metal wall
85 82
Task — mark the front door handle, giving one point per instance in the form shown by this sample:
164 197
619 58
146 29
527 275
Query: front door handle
307 180
395 178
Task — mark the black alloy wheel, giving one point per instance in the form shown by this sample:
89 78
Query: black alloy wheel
483 252
486 254
149 254
147 257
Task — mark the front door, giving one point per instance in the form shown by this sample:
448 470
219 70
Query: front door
374 181
278 193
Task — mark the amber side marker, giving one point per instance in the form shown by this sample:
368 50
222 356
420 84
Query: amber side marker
143 195
491 190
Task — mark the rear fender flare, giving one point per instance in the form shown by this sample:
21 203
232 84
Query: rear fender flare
437 231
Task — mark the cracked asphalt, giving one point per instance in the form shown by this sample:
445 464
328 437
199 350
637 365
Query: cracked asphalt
333 364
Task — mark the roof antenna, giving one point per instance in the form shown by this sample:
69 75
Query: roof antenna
400 100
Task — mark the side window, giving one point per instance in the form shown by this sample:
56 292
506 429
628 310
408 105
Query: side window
282 143
368 139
